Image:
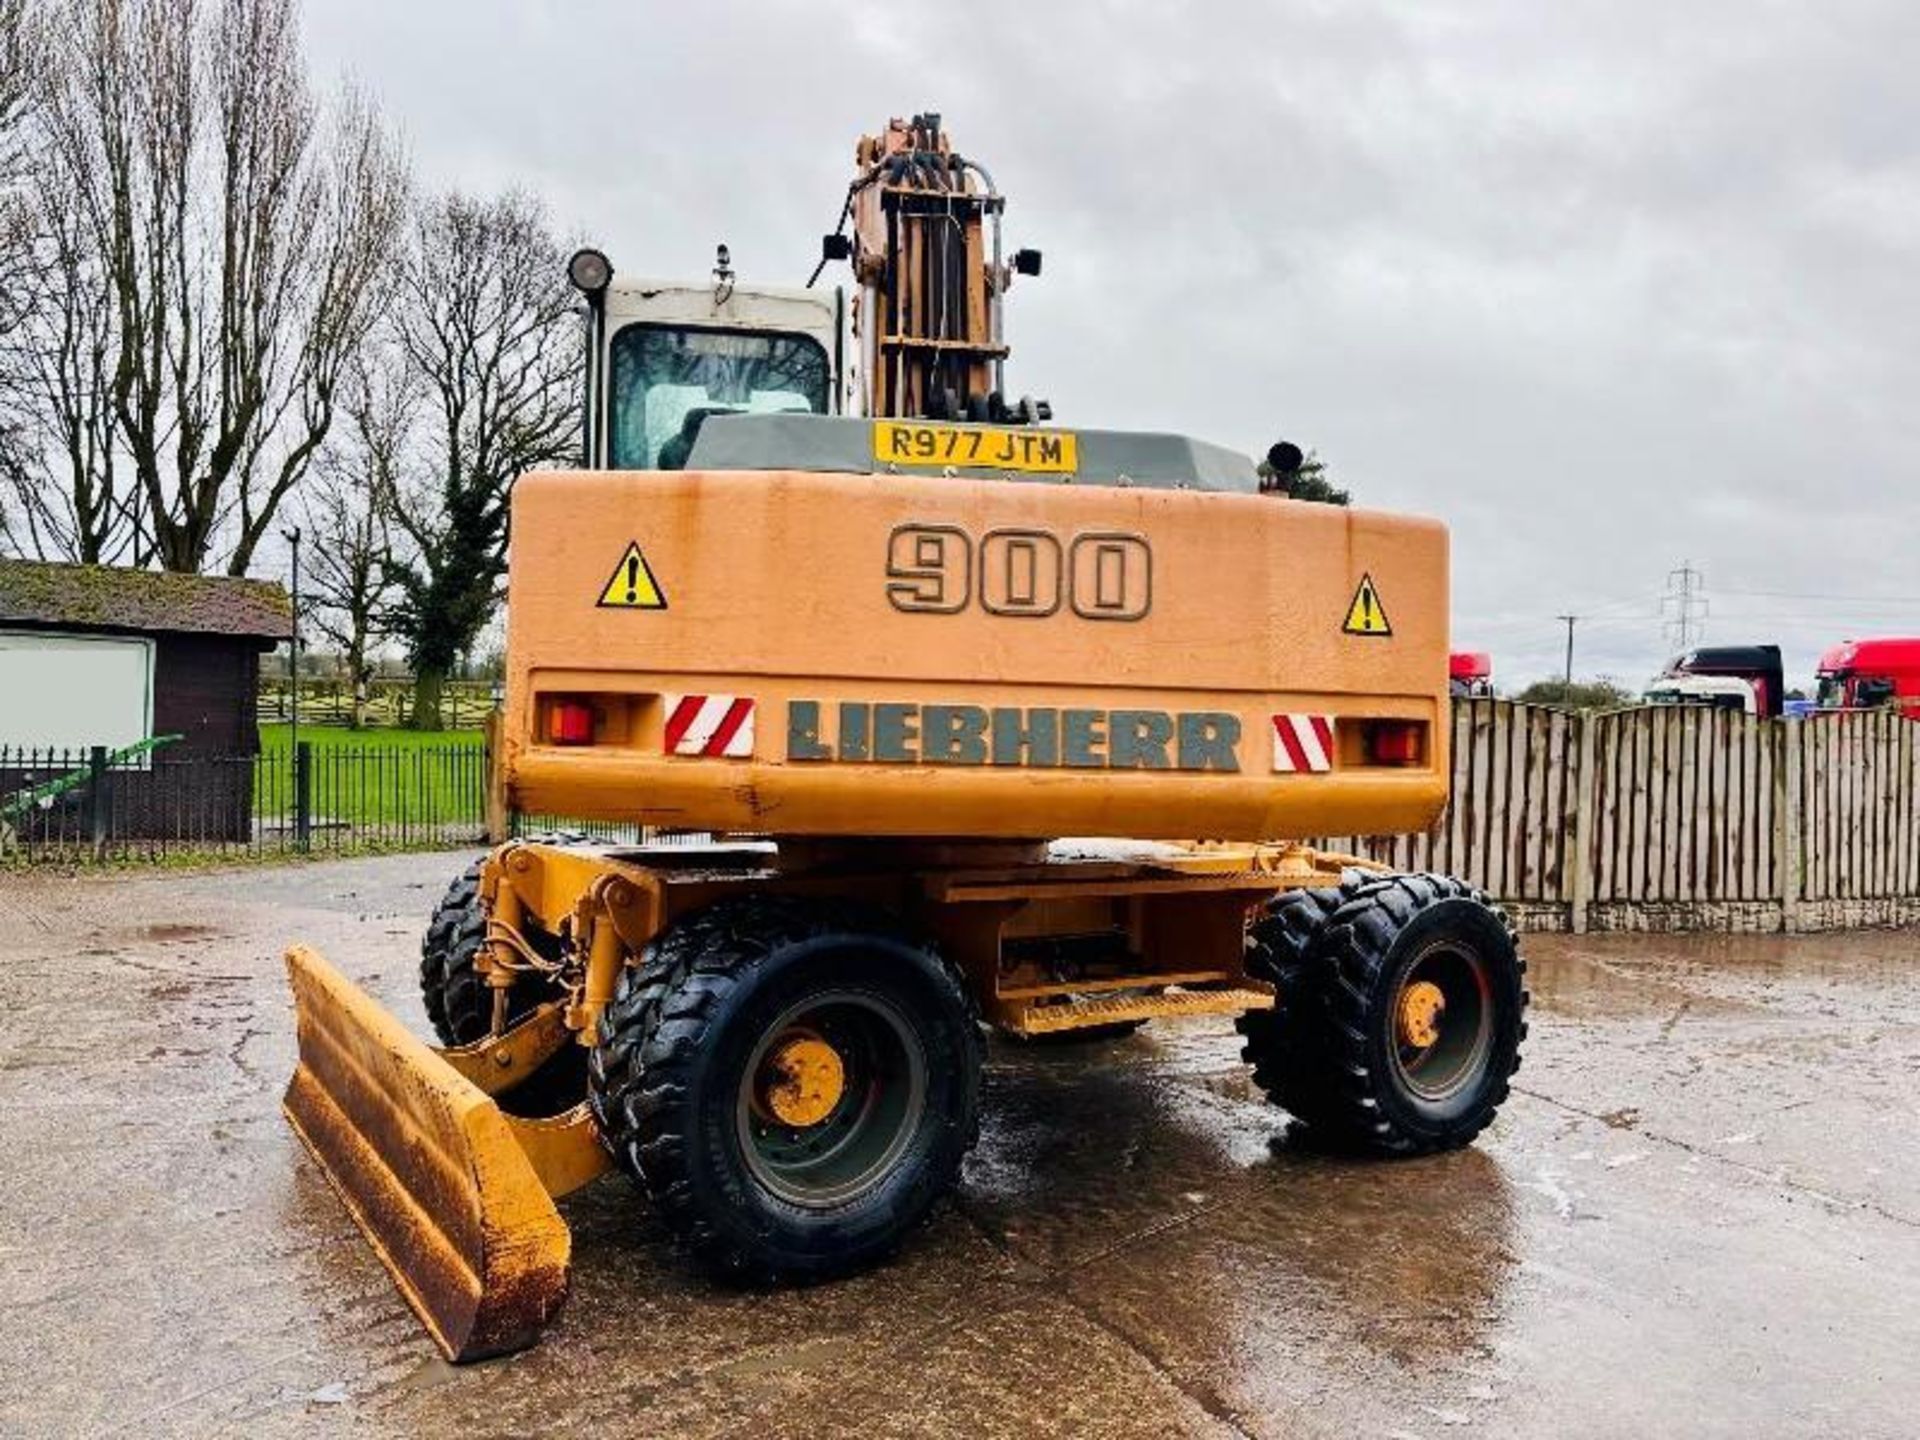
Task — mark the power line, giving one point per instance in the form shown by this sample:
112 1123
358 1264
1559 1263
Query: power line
1828 596
1532 620
1642 618
1682 611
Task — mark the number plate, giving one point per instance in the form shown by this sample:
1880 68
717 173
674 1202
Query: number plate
980 447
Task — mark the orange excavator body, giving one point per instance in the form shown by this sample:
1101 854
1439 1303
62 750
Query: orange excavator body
891 655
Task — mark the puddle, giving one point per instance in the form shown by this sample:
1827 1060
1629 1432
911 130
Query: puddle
1625 977
175 933
1581 987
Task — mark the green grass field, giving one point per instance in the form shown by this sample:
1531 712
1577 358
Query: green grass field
397 780
277 738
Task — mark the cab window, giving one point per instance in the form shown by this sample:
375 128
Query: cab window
668 380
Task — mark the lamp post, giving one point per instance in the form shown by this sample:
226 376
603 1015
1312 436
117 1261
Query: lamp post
302 774
292 537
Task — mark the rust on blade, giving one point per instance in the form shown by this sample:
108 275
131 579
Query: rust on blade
429 1168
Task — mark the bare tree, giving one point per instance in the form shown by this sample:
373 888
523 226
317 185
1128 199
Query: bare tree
347 518
60 461
485 318
20 55
241 240
67 494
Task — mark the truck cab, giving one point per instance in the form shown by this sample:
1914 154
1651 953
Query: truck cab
1470 674
1869 674
1757 667
1710 692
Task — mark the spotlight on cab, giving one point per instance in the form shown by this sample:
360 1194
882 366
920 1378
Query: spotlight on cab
590 272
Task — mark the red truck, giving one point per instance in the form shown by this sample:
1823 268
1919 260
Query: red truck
1866 674
1470 672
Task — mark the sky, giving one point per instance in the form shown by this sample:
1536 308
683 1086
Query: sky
1611 288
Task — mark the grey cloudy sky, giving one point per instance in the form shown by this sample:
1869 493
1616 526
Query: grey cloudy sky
1607 286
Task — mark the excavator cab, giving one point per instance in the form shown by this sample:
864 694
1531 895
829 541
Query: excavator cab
663 357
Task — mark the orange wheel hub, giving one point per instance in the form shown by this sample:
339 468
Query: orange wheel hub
800 1081
1421 1006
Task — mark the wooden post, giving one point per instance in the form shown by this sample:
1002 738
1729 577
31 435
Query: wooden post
1582 853
1789 847
495 780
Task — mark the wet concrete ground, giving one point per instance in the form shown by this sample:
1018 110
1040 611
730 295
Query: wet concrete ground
1700 1215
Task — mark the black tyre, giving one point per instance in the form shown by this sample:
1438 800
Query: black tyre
1408 1019
794 1083
1286 1045
460 1002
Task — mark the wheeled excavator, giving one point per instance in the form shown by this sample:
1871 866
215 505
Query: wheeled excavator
910 656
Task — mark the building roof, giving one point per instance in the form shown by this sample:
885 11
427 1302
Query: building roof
107 597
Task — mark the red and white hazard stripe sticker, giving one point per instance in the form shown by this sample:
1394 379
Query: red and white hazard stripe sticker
1303 742
714 725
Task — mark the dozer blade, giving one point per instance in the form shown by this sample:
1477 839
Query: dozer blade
429 1167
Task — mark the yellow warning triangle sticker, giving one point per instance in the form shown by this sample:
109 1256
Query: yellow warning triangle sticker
632 586
1366 615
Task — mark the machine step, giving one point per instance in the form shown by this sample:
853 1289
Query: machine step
1117 1009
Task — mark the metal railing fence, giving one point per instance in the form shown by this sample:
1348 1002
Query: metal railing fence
78 805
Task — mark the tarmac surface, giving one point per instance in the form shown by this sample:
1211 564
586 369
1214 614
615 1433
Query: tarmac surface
1698 1215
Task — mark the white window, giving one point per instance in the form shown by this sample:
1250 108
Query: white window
68 692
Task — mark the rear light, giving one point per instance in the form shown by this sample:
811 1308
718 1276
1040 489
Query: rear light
1394 742
570 722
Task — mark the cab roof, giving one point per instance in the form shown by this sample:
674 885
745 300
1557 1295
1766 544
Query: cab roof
1887 653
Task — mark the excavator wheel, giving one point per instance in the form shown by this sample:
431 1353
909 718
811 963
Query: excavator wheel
1407 1014
1283 1044
793 1083
459 1001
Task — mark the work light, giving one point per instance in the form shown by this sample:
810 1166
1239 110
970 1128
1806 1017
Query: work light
590 271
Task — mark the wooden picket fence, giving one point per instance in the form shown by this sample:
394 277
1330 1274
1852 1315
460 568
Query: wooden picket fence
464 704
1668 817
